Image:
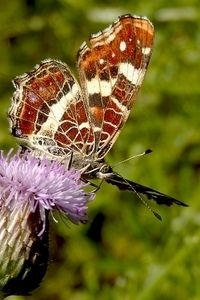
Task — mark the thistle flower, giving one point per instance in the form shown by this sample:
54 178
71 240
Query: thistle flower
29 188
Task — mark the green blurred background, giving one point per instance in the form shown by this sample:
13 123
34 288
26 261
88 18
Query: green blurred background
124 252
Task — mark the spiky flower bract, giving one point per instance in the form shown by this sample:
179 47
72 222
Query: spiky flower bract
30 187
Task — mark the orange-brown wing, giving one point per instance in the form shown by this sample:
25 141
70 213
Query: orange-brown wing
111 72
48 113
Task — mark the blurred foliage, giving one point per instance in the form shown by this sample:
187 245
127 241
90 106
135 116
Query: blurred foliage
124 252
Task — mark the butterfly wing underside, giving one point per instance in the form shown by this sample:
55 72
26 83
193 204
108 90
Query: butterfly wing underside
48 111
111 72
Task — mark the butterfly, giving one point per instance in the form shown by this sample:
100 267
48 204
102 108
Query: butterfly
52 113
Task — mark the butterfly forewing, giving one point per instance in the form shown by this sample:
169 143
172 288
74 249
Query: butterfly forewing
111 70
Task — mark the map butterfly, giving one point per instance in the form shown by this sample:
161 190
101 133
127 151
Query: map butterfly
51 113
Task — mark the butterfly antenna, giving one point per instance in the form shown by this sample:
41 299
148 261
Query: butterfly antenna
134 156
149 207
145 203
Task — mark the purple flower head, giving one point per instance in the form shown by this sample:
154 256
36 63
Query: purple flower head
44 184
30 187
